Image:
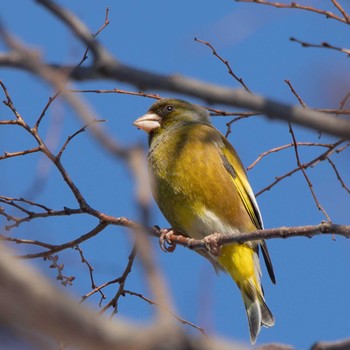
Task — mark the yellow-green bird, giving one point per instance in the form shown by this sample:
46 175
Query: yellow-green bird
201 187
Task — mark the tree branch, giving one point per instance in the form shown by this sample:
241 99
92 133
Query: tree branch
217 240
337 345
110 68
100 54
294 5
31 305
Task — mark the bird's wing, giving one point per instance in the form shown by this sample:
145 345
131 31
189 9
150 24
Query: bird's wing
238 175
236 170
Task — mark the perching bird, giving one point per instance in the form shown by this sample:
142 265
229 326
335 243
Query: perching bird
201 187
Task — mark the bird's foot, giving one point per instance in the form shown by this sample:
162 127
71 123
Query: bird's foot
212 243
165 243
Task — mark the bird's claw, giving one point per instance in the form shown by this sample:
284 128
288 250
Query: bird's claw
165 243
212 243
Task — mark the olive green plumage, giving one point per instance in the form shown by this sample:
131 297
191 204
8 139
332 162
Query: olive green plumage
200 185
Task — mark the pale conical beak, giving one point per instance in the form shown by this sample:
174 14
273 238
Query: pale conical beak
148 122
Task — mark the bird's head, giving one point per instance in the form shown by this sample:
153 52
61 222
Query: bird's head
169 112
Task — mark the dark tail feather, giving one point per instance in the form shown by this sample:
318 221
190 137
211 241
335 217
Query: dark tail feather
268 261
267 318
258 314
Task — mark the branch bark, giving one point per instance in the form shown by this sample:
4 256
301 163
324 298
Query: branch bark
33 308
105 66
211 93
216 240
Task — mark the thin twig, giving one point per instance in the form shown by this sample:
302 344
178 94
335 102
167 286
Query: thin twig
322 45
101 55
294 5
57 248
297 156
118 91
69 138
300 166
65 280
300 100
104 25
42 114
225 62
19 153
333 111
311 163
27 241
341 10
90 268
283 147
99 288
347 189
343 101
234 120
43 148
151 302
114 301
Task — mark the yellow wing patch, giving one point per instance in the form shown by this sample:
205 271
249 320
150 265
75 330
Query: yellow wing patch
239 178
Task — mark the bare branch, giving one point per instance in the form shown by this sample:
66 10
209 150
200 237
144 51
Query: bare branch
120 91
27 241
48 104
57 248
322 45
104 25
301 102
99 288
26 59
231 97
225 62
91 270
343 101
294 5
69 138
312 162
337 345
300 166
114 301
19 153
341 10
283 147
333 111
65 280
151 302
274 346
297 156
281 232
347 189
29 303
80 30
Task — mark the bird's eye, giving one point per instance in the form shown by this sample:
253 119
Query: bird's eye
169 108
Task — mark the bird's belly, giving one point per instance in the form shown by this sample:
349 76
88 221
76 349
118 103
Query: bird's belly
184 208
208 223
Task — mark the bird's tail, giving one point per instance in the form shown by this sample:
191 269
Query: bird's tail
257 311
242 263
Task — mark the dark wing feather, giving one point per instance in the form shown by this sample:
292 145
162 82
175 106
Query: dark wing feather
235 168
268 261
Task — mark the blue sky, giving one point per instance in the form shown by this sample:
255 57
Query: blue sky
310 300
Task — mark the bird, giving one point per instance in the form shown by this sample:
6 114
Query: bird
201 187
